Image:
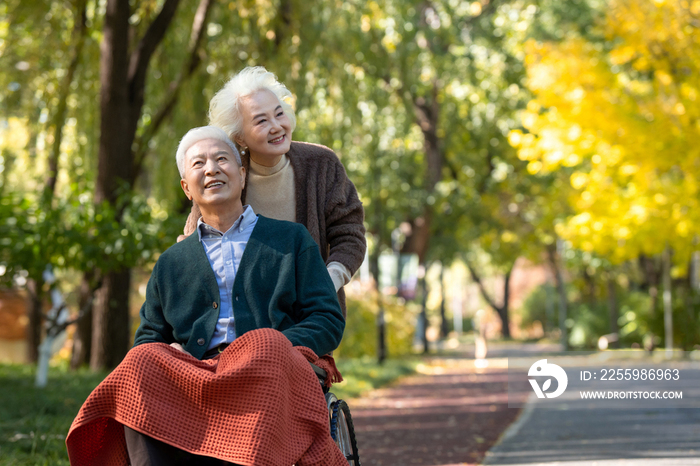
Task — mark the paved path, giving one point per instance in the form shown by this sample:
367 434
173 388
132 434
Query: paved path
602 438
449 414
455 413
583 432
448 417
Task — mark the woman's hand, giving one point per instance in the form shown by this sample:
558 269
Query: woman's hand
179 347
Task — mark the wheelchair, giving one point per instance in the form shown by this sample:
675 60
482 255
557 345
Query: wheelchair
342 428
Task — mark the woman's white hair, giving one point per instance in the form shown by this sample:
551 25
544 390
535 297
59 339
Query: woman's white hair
225 106
195 135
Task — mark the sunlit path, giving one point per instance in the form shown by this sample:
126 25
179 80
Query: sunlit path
448 416
607 433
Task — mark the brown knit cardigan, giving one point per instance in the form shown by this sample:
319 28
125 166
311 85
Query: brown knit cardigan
326 204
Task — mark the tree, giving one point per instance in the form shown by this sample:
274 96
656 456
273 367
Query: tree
53 100
442 81
621 113
623 118
123 82
57 107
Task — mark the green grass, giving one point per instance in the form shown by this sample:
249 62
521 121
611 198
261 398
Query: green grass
362 375
34 422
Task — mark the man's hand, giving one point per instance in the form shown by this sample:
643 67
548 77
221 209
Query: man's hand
179 347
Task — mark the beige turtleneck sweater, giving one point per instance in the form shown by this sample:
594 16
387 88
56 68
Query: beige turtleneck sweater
271 190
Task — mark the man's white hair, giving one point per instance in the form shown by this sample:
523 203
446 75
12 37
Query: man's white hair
195 135
225 106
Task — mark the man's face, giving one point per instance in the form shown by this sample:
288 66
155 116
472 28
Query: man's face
212 176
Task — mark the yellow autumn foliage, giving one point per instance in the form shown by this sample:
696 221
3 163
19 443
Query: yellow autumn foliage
627 117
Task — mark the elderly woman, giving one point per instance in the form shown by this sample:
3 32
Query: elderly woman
286 180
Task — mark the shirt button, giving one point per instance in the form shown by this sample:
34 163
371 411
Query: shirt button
215 305
236 297
200 342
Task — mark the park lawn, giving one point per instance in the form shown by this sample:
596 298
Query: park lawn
364 374
34 422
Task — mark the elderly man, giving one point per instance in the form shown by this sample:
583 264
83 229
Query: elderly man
219 373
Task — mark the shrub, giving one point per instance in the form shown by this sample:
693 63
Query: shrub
588 321
360 337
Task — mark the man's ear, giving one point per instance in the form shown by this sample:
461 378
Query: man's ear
186 189
242 173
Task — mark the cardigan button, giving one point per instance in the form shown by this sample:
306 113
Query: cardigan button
215 305
201 342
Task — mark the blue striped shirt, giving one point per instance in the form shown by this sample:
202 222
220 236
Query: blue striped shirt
224 251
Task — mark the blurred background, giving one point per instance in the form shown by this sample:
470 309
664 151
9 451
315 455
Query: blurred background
529 168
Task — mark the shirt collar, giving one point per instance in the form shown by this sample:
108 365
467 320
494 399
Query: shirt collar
246 219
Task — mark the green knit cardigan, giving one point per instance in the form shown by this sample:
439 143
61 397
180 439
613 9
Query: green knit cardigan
282 283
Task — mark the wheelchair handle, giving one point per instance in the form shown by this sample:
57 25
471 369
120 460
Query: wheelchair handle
320 373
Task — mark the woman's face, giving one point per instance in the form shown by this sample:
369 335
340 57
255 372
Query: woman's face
267 131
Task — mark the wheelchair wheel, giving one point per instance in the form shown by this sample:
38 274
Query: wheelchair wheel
342 429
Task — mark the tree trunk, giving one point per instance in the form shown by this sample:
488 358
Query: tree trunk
427 113
82 339
378 231
59 115
115 160
667 299
57 123
35 300
380 321
613 310
589 280
123 80
694 271
381 330
503 310
110 329
171 99
561 288
444 330
424 312
548 308
652 279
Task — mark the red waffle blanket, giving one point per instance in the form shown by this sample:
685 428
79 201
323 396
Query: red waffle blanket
258 403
